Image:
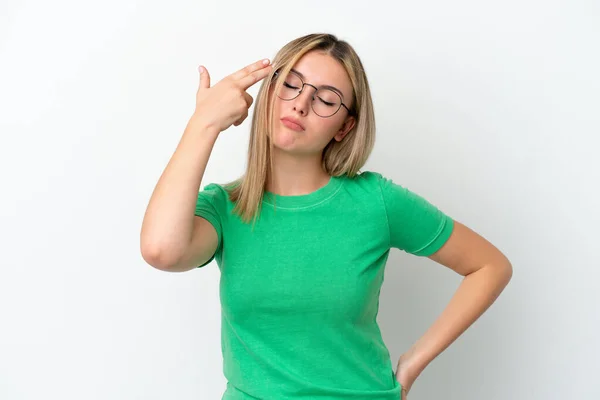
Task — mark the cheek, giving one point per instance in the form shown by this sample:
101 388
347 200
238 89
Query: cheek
330 127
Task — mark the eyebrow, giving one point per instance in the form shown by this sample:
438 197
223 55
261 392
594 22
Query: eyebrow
322 86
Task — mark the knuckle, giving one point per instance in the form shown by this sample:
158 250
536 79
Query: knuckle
246 70
233 84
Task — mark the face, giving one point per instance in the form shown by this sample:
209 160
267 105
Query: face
316 132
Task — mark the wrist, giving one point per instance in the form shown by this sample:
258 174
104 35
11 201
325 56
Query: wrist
411 363
197 123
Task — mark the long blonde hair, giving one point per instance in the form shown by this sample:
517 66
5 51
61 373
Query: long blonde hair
339 158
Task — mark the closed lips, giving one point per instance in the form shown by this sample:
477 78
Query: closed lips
294 121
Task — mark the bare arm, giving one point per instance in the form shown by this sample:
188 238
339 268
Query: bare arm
169 222
173 238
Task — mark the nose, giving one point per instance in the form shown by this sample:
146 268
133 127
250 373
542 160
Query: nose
302 103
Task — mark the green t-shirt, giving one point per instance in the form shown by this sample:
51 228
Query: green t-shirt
300 293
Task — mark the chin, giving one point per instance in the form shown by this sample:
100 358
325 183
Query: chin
293 142
286 140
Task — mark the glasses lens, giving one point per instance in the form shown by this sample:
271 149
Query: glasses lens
291 87
325 102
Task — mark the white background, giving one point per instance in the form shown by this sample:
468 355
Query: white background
489 109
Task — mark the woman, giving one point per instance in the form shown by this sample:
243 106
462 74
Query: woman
302 238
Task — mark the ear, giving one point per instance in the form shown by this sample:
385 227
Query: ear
346 127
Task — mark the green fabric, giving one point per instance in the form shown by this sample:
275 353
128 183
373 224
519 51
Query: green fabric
300 293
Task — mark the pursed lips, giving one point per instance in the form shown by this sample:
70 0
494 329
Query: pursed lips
291 123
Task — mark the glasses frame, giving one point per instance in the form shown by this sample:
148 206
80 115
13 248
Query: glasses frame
276 74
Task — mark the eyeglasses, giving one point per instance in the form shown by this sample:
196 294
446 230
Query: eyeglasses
325 102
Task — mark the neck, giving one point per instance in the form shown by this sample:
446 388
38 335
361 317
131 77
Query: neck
295 175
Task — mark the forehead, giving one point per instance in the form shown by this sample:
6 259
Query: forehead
322 69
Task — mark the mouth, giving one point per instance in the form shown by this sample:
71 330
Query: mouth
292 124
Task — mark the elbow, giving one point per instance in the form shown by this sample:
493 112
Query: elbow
509 272
158 258
505 270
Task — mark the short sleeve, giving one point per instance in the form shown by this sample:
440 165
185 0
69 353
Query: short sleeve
416 226
209 205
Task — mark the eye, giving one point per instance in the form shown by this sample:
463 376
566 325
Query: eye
287 85
326 102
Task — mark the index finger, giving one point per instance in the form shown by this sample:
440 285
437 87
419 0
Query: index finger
255 66
254 77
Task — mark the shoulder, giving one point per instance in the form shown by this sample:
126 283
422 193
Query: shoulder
215 194
213 191
368 185
389 190
369 180
220 190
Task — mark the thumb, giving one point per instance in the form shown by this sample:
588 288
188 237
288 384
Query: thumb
204 77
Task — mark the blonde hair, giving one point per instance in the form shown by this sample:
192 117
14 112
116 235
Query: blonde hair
339 158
